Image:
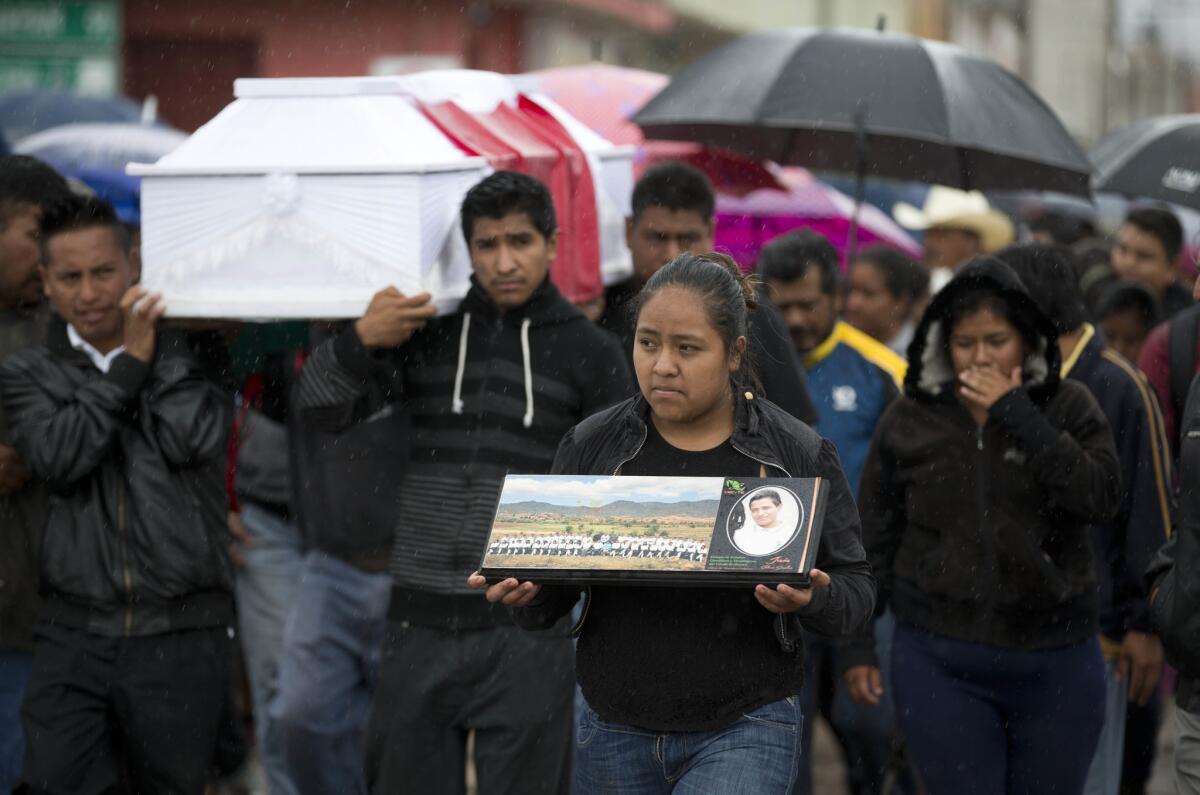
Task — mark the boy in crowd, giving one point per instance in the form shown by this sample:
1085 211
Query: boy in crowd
1145 250
1126 313
130 668
491 388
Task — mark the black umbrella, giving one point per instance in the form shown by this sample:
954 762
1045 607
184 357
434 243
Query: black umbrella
1156 158
870 102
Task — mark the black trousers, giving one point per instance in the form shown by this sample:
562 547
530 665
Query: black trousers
134 715
514 689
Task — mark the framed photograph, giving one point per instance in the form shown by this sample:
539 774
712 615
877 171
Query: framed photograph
655 530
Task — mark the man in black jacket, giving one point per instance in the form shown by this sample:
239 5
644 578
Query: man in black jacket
673 207
130 664
1175 598
26 186
490 389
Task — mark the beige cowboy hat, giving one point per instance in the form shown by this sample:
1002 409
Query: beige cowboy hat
958 209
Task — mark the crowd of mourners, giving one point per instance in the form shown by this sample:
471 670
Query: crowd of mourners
206 527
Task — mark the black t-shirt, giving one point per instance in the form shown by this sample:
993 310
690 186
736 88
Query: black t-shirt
682 658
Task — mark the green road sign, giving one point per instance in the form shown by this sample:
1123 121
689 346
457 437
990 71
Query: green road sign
67 44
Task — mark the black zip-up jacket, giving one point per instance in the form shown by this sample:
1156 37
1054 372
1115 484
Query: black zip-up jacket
786 447
135 540
1173 584
482 393
981 534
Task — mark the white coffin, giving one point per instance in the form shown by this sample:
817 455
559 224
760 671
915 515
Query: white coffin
301 199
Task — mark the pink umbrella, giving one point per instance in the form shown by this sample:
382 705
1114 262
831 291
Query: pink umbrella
745 224
604 97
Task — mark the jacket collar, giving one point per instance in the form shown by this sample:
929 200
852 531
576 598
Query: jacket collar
1087 350
819 353
59 343
748 437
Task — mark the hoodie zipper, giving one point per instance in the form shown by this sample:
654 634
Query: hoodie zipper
641 443
127 576
981 476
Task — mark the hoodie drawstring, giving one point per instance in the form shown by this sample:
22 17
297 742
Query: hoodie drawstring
456 402
528 421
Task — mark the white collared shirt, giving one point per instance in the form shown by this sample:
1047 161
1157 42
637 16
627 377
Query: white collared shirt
103 361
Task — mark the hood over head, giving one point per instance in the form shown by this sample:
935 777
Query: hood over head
930 372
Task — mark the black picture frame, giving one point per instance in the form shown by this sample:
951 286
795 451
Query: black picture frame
602 530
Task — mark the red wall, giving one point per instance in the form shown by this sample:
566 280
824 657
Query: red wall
185 51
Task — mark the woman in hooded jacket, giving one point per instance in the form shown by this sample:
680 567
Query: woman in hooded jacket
694 690
976 499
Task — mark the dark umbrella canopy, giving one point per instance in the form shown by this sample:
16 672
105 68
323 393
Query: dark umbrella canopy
931 111
1155 158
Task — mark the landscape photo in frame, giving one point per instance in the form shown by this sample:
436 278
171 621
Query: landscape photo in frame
653 530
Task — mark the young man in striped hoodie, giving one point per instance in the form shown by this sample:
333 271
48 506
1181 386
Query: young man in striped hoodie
490 389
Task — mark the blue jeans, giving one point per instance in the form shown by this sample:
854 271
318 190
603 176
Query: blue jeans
755 754
331 658
1104 776
982 720
14 674
266 590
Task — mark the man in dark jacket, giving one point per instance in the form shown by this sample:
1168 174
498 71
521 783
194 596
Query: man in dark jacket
342 484
490 389
1175 599
130 664
673 207
26 186
1124 546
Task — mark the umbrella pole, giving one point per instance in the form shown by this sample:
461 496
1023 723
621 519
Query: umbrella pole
860 184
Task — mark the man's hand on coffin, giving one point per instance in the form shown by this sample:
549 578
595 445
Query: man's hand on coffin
509 592
786 599
142 311
392 318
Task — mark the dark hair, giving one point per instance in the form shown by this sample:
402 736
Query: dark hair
1129 297
73 213
1162 224
980 297
789 256
675 186
727 293
1063 228
507 192
27 182
769 494
1048 273
903 277
1093 271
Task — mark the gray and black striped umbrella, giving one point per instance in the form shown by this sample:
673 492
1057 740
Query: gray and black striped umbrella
880 104
1155 158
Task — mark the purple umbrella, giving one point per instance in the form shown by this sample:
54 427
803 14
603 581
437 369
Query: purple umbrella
745 224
